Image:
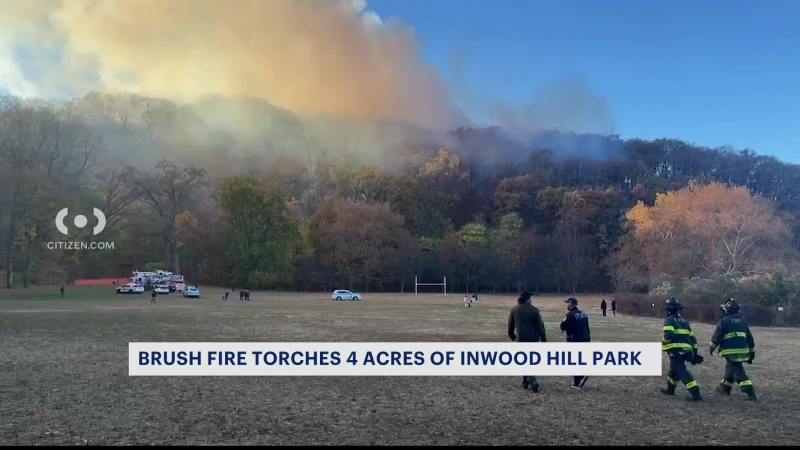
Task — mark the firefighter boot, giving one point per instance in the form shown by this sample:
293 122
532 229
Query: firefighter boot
751 393
723 389
694 395
669 390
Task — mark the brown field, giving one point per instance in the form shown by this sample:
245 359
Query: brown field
64 379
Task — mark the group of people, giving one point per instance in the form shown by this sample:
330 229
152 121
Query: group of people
732 340
471 302
525 324
244 294
604 307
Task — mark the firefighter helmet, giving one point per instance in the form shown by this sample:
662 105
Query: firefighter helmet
672 305
730 307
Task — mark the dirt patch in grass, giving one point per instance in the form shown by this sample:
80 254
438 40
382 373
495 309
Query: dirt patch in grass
63 379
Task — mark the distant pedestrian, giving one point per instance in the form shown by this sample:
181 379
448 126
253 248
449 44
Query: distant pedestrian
153 295
247 295
576 326
226 295
466 301
62 291
241 295
525 325
474 303
613 307
603 307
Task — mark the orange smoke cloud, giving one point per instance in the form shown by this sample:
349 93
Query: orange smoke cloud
328 57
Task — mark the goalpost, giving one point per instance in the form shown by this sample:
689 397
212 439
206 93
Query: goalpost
417 284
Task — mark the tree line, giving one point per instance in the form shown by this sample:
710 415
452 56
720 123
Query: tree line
488 213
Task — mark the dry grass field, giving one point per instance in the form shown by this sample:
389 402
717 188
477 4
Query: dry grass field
63 378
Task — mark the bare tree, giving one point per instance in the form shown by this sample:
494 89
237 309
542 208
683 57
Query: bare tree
169 190
72 147
23 142
157 115
116 183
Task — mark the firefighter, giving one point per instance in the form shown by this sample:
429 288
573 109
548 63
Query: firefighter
525 325
737 346
680 344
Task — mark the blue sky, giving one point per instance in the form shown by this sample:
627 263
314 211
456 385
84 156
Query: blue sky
711 72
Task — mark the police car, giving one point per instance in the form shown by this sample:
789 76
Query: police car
131 288
161 289
191 292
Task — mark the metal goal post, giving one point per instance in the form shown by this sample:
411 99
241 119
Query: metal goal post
417 284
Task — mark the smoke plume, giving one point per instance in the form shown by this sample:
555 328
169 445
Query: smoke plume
328 57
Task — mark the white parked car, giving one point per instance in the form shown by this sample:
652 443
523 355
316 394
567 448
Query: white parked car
345 295
191 292
131 288
161 289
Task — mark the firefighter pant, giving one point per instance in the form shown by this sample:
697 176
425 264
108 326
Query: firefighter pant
734 373
604 312
678 373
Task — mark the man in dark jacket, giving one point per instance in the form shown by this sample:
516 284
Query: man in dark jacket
613 307
576 326
525 325
737 346
603 307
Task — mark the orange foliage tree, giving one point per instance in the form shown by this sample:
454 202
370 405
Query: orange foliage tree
706 230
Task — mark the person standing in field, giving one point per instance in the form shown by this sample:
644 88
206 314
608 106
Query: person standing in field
525 325
613 307
603 307
62 291
153 295
241 295
466 301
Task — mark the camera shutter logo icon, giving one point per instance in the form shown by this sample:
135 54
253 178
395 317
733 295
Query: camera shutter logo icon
80 221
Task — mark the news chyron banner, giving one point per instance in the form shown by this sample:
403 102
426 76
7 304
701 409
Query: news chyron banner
393 359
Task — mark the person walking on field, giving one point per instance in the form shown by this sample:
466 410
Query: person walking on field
153 295
736 344
576 325
613 307
525 325
678 340
603 307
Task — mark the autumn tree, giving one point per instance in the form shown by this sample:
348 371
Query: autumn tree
366 243
707 230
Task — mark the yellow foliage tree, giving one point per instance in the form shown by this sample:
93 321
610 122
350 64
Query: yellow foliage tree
706 230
